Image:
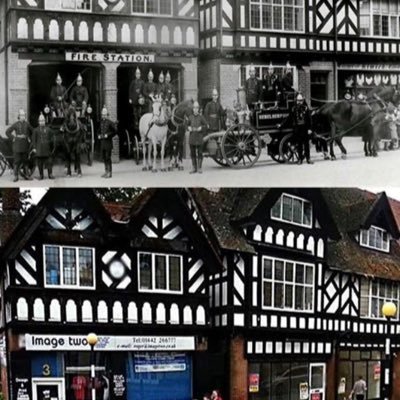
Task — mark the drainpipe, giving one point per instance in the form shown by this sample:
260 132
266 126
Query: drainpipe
335 66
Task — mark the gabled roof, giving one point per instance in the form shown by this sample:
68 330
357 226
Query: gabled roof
37 214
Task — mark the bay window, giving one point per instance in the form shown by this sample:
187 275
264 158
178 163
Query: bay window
380 18
159 7
69 267
277 15
374 294
375 238
160 272
287 285
293 209
68 5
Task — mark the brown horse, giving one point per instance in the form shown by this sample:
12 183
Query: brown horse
361 117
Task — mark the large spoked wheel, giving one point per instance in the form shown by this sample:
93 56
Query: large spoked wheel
136 150
220 160
288 149
274 152
241 146
3 164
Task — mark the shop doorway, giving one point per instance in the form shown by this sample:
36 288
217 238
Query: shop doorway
42 77
319 88
317 381
48 389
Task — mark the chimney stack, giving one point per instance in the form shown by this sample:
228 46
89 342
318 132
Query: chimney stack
11 214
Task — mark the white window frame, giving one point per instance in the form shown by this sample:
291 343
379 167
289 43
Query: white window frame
293 283
61 285
370 296
153 275
371 15
61 9
385 249
291 222
261 29
145 13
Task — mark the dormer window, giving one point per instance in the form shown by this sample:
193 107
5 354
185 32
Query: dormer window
375 238
293 209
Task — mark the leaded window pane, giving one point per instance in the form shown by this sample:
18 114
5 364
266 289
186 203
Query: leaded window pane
86 267
161 272
145 271
267 294
175 273
69 266
53 270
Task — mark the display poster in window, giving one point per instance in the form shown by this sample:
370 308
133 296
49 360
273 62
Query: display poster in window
254 383
117 378
377 372
160 362
303 389
342 386
316 396
23 388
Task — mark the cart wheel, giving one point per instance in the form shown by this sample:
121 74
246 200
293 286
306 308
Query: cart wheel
136 150
241 146
128 144
220 161
288 149
273 151
3 164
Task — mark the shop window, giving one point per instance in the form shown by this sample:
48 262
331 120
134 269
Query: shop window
68 5
376 293
70 267
287 285
277 15
161 273
158 7
380 18
375 238
292 209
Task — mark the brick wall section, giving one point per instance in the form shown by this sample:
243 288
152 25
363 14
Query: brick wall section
17 85
11 216
238 370
230 74
209 75
190 80
305 83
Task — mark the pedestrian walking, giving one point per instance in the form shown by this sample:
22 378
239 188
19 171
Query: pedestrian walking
359 389
216 395
197 126
20 134
107 131
43 145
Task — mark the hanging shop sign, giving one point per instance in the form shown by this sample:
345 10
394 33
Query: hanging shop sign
109 343
109 57
303 389
370 67
156 362
254 383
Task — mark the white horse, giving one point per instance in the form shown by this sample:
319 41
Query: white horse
153 134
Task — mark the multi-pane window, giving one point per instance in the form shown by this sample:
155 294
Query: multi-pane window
160 272
68 5
374 294
277 15
293 209
380 18
375 238
288 285
160 7
69 266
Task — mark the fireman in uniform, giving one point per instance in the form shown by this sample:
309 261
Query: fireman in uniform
161 86
197 127
253 88
169 87
214 113
107 130
57 97
20 134
43 144
136 88
271 88
141 108
79 96
300 118
150 87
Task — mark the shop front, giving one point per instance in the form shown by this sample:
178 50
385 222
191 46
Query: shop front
126 367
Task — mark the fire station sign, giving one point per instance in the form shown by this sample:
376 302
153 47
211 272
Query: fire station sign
109 57
109 343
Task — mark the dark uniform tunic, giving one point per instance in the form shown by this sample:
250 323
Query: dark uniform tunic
73 137
79 94
271 87
135 89
161 89
107 130
195 122
169 91
150 88
253 90
56 92
43 141
214 114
